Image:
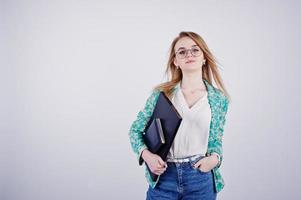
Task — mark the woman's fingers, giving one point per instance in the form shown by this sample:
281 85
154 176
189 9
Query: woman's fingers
160 169
161 162
158 166
198 164
159 172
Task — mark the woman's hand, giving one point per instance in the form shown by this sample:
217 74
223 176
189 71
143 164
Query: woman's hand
207 163
154 162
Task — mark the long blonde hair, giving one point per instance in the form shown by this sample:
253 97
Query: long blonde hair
209 70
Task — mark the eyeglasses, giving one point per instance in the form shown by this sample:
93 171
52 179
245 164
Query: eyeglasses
195 51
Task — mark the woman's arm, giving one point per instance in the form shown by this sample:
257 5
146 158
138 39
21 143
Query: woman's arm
138 126
216 142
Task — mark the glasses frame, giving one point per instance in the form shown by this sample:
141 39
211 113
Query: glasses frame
186 52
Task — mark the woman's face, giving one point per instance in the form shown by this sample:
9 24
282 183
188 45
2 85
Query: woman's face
188 60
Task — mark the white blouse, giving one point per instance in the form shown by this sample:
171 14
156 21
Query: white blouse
193 133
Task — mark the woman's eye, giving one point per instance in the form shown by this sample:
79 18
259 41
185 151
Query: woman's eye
181 52
195 50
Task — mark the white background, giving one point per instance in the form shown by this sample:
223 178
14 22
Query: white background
74 74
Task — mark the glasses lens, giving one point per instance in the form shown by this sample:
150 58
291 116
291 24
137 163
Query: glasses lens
182 54
196 51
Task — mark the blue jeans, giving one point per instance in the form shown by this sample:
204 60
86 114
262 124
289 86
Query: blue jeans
182 181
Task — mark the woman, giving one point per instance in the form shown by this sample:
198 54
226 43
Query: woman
192 167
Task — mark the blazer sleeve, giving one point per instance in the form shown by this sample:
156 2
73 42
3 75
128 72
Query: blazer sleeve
217 141
139 124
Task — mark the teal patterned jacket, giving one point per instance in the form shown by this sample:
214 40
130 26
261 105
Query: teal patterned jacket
219 105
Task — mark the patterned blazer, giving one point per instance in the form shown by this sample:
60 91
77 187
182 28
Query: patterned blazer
219 105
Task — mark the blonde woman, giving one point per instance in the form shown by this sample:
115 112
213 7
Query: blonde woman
191 170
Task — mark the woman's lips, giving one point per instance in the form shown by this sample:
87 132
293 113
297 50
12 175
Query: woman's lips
190 61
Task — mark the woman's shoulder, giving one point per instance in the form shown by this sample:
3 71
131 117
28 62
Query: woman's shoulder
155 92
153 96
220 95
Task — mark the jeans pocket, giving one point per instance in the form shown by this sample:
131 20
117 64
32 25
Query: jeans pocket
195 161
202 171
197 168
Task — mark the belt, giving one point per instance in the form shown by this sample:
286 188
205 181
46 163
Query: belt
187 159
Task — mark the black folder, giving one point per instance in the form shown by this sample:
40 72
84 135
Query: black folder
170 121
154 136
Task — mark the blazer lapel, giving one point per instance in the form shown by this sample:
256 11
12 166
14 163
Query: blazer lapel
214 102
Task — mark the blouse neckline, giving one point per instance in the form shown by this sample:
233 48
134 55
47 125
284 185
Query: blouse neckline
195 105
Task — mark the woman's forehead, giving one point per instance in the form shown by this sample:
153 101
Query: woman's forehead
185 42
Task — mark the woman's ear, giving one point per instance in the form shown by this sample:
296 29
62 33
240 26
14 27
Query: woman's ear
175 62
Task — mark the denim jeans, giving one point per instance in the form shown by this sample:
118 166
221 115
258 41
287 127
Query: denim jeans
182 181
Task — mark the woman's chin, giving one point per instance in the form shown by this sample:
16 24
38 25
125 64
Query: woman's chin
189 67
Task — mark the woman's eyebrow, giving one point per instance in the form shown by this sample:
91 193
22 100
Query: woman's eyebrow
184 47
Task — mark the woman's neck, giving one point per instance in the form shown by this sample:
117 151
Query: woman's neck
192 82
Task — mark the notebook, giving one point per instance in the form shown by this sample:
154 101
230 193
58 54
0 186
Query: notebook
154 136
170 120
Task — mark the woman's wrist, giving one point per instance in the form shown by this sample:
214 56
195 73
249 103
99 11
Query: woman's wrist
215 158
145 154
